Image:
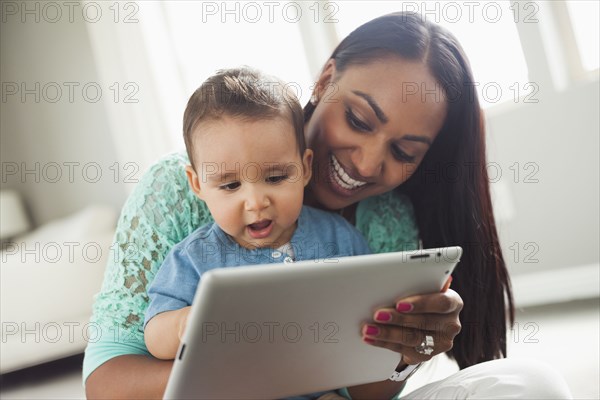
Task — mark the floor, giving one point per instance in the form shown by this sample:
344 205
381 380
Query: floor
564 335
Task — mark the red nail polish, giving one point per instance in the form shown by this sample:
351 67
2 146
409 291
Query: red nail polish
383 316
404 307
372 330
368 340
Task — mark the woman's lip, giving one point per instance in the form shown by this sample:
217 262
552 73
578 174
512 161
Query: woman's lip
335 187
261 233
348 171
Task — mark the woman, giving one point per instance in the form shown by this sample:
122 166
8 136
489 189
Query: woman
394 123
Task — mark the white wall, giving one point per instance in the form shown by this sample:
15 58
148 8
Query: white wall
555 221
47 134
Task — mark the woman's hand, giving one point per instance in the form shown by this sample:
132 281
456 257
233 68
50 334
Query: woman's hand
403 328
331 396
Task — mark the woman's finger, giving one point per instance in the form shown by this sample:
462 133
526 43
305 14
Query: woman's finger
409 353
435 303
415 321
331 396
449 324
399 335
447 284
408 337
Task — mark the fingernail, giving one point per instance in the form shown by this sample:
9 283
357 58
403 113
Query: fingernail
447 284
368 340
404 307
383 316
371 330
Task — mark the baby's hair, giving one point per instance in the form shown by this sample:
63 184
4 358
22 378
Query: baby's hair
243 93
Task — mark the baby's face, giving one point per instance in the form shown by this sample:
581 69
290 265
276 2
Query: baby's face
252 178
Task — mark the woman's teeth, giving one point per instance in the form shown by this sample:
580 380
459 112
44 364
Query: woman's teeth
342 178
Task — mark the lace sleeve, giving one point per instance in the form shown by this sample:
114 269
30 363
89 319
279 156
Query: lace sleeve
388 223
160 212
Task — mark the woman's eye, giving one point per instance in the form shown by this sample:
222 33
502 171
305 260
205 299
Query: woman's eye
276 178
230 186
356 122
401 155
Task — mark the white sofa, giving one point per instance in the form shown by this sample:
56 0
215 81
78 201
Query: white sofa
48 278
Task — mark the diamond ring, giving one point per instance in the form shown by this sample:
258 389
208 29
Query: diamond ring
426 346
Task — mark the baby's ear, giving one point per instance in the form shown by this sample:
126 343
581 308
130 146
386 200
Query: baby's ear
307 160
193 180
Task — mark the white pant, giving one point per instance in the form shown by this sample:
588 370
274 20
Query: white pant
498 379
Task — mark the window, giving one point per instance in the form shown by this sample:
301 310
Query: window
189 41
212 35
585 21
485 29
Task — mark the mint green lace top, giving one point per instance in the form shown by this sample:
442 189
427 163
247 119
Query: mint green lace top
160 212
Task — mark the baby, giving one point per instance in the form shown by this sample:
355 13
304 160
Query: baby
244 136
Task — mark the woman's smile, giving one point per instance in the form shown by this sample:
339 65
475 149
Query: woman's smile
342 178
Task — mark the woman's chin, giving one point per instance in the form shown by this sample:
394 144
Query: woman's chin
326 197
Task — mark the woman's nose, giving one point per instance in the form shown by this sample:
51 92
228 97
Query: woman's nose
368 160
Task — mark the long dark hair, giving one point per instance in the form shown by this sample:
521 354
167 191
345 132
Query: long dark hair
450 189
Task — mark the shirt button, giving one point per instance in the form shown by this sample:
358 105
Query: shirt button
276 254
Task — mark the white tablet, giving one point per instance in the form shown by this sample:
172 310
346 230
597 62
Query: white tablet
277 330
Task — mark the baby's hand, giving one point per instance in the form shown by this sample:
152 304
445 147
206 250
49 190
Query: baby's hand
182 321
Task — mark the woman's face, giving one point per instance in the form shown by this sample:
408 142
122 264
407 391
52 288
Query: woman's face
371 128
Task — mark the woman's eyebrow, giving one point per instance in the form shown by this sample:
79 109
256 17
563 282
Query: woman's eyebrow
378 111
415 138
383 118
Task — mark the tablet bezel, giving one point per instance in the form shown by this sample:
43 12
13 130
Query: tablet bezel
221 357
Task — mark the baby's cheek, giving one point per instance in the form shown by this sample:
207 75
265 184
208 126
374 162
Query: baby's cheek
291 203
228 220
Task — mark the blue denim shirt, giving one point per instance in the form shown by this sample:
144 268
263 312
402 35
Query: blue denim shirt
319 235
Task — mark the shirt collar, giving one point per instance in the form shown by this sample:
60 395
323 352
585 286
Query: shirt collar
299 236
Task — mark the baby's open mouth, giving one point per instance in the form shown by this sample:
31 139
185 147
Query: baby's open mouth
260 229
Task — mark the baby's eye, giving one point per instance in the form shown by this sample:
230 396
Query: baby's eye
276 178
230 186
